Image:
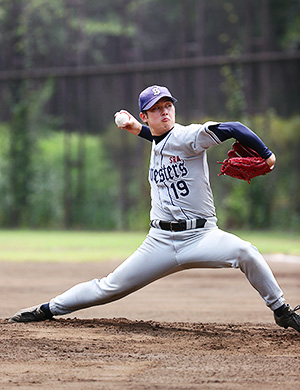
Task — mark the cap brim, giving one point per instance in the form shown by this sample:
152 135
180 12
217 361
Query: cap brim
156 99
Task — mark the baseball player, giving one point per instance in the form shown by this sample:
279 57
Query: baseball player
183 232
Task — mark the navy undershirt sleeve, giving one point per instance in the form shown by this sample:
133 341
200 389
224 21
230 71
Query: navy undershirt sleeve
227 130
146 133
243 134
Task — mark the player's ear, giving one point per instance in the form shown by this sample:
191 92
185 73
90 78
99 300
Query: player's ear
144 116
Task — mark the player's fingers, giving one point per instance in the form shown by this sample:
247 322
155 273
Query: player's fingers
123 111
271 161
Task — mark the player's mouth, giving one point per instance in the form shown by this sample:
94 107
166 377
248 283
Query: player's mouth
165 119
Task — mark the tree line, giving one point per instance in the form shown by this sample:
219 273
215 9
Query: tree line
67 65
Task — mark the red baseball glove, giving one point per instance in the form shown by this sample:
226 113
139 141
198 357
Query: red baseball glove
243 163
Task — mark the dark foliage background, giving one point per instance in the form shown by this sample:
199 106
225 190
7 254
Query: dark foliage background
67 66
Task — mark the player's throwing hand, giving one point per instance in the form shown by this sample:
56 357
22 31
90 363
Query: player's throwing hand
124 120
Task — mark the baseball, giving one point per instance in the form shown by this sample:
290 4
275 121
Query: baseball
121 118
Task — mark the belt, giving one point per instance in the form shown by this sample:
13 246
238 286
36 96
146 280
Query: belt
179 226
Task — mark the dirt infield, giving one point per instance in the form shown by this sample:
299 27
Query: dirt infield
198 329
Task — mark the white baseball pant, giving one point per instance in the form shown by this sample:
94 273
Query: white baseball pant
163 253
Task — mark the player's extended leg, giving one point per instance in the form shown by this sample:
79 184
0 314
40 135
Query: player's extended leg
218 249
151 261
134 273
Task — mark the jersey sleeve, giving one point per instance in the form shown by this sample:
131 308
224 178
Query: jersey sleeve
205 137
243 134
146 133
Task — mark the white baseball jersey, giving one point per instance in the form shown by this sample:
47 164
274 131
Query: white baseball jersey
179 175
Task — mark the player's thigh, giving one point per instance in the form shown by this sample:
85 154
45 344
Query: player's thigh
214 248
151 261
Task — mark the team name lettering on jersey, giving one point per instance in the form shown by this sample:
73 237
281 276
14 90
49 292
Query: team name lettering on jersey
171 172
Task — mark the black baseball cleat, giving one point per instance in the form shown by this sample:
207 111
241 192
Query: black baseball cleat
31 314
289 318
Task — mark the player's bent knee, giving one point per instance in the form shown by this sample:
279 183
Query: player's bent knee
248 254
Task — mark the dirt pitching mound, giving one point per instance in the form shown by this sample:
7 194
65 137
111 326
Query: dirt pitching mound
199 329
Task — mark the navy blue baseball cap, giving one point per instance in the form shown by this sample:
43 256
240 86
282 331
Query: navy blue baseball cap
151 95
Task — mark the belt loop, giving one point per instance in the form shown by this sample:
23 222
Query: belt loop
155 224
190 224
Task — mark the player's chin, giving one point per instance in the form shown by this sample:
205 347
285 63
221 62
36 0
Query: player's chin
167 125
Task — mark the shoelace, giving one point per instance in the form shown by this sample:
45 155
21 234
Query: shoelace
296 308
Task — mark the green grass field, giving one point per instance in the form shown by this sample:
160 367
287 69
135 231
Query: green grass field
67 246
273 242
100 246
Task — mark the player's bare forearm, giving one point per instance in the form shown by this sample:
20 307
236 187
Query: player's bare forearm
132 125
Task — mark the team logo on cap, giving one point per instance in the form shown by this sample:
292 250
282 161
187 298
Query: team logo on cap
156 91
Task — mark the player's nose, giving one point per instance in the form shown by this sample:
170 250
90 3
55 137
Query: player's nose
164 111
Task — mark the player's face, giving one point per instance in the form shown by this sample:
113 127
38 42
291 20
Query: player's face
160 117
